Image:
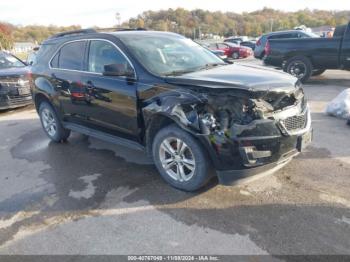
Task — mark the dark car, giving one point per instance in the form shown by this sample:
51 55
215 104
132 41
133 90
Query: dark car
236 40
14 82
259 51
172 98
306 57
250 44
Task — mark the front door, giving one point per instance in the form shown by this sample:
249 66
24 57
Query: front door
110 101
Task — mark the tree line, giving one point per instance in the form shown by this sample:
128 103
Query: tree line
32 33
192 23
226 24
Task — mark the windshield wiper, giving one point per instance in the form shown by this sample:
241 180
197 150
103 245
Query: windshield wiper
210 65
186 71
178 72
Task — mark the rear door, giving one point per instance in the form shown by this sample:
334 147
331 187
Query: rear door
67 67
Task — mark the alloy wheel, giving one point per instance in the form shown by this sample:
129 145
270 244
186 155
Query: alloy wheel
177 159
297 69
49 122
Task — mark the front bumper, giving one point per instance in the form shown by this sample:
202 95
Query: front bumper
231 177
8 102
281 158
260 147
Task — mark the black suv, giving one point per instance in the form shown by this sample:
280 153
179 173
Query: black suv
14 82
167 95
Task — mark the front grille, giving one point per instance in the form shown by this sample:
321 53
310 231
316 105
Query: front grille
10 86
295 123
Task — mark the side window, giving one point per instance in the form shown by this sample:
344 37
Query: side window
274 37
103 53
71 56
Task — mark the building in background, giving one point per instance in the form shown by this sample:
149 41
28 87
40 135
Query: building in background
23 47
322 30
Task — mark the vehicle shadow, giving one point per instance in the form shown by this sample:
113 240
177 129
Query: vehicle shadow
16 110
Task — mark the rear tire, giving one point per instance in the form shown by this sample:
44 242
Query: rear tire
300 67
180 159
318 72
235 55
51 123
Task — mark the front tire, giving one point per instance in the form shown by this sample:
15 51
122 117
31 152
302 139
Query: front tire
51 123
300 67
180 159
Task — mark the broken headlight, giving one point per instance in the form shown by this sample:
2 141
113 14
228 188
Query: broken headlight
220 113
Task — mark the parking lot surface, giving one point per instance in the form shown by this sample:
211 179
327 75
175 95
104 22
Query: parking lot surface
89 197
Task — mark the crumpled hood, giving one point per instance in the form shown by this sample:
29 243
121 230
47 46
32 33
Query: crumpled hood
235 76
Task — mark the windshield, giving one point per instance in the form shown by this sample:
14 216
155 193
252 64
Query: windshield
9 61
170 55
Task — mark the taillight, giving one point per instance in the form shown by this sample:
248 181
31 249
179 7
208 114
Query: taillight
29 76
267 48
258 43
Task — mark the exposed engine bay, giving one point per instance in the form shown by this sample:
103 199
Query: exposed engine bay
217 112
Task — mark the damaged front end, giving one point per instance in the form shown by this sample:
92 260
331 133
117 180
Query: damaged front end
241 129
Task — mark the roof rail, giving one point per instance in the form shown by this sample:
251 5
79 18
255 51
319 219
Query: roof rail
74 32
116 29
94 30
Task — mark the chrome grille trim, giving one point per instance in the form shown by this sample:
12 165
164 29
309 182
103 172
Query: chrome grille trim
294 123
297 124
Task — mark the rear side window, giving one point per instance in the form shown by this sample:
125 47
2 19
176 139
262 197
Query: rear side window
339 31
70 56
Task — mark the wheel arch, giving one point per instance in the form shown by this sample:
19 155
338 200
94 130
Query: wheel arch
294 55
39 98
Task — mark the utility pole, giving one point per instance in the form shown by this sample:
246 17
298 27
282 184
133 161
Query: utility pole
271 24
118 17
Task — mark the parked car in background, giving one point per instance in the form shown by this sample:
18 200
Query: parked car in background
250 44
14 82
217 52
305 57
220 53
232 50
259 51
236 40
162 93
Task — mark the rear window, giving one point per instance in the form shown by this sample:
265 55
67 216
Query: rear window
70 56
339 31
284 36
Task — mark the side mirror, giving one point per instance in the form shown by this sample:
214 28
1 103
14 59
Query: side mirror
117 70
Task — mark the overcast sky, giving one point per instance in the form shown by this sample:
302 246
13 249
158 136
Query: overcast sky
102 12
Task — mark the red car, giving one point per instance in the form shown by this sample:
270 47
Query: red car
232 50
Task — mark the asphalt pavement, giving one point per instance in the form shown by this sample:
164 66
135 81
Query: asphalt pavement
89 197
